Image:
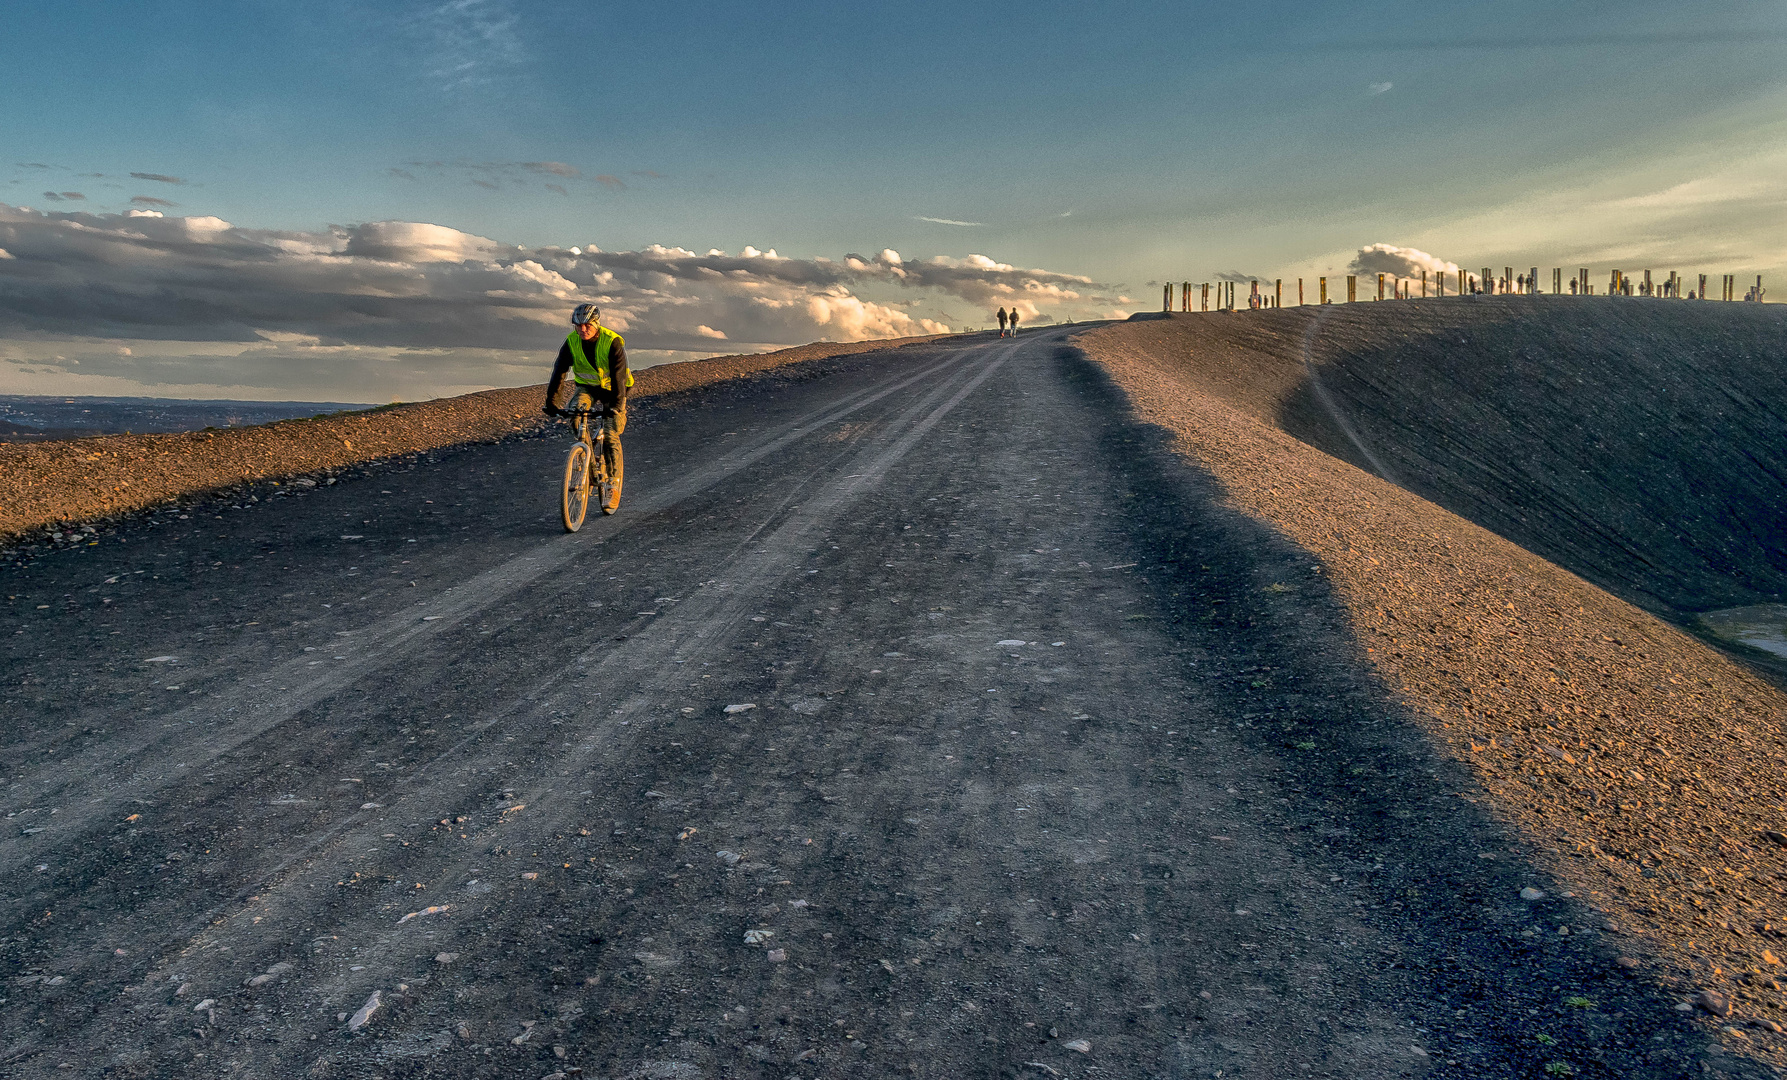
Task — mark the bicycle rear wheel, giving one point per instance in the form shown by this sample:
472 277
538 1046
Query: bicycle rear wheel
574 501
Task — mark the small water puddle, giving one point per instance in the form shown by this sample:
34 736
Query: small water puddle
1763 626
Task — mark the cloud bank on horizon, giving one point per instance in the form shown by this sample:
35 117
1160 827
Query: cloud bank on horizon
142 303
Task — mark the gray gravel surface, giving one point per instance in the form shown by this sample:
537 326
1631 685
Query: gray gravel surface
394 778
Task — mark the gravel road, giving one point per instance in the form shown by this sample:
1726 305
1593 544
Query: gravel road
866 740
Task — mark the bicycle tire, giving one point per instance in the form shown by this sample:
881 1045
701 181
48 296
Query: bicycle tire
574 499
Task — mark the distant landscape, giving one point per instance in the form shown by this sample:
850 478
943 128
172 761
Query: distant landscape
29 418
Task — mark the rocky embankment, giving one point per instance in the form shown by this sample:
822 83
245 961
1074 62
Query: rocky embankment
55 493
1515 499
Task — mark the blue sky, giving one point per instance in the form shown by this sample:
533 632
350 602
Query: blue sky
1121 144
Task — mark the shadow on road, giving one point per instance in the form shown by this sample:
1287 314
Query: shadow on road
1510 990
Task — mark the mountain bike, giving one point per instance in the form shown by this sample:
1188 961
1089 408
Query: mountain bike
586 466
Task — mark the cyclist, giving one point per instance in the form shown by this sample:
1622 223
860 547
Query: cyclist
596 358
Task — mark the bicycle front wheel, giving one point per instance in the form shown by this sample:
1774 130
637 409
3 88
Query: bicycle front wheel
574 501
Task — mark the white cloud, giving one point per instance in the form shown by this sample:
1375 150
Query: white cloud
382 308
414 242
950 221
1401 262
143 213
1377 88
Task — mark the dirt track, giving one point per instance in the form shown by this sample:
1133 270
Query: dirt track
1206 833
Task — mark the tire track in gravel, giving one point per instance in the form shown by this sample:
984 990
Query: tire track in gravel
687 631
291 687
961 846
683 636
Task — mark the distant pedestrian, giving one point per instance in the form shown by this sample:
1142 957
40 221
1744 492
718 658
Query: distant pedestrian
1014 321
1001 322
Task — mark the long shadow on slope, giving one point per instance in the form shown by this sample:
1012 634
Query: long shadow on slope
1375 792
1640 444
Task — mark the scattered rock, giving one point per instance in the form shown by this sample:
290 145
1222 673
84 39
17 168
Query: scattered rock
1078 1046
1775 837
1008 643
361 1017
1530 893
270 975
205 1004
730 858
1627 962
746 707
1770 958
560 1052
530 876
1770 1025
1736 1033
1713 1002
435 910
445 957
777 956
758 937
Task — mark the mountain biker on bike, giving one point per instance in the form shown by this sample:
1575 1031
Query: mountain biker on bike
596 358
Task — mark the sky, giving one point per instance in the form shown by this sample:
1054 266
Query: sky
356 200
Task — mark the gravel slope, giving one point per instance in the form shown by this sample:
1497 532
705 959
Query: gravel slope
1639 768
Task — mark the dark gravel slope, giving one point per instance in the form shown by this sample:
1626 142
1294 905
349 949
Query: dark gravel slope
1637 767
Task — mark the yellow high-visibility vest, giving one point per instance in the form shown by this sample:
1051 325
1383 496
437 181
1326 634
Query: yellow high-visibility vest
595 372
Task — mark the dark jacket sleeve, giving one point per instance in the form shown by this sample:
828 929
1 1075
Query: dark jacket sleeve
559 388
618 373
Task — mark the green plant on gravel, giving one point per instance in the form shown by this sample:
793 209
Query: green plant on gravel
1545 1040
1304 745
1579 1002
1560 1068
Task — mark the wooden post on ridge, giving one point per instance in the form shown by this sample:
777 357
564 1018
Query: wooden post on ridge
1324 282
1277 292
1352 288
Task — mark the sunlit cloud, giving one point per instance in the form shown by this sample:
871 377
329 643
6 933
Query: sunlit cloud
364 311
159 178
1399 262
950 221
